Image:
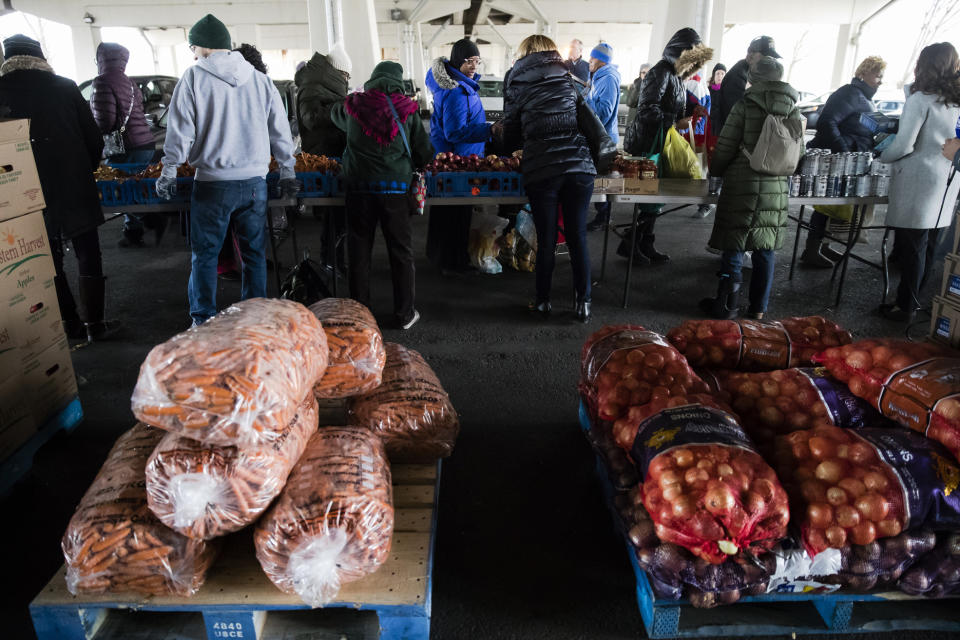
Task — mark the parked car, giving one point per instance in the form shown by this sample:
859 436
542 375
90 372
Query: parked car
418 95
623 110
156 91
491 97
812 108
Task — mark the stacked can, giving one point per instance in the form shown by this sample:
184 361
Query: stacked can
848 174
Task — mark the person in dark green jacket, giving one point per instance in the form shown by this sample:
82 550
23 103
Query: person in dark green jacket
377 170
321 85
752 209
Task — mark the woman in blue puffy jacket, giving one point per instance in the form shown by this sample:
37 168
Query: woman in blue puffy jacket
458 125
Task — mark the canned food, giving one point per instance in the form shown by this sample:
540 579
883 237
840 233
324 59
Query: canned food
863 162
793 185
864 186
836 164
713 184
832 182
823 168
879 168
820 187
881 185
810 164
849 186
806 186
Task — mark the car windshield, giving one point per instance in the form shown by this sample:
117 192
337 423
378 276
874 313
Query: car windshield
491 88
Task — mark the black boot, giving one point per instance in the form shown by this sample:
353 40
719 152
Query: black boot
725 305
72 324
599 221
623 250
645 247
583 310
92 290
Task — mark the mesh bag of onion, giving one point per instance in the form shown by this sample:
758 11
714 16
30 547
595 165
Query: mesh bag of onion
936 574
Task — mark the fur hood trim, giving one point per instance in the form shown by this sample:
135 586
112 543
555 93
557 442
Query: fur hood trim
442 76
24 63
693 59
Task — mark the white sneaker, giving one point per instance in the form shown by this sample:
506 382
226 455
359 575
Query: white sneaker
412 321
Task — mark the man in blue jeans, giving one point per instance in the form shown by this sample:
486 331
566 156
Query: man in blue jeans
226 119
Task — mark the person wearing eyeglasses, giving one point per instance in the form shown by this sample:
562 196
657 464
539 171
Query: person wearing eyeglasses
226 119
458 125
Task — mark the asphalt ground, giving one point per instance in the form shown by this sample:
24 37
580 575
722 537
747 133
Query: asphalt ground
525 547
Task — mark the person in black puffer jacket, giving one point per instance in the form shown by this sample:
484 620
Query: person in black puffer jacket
839 130
663 104
541 117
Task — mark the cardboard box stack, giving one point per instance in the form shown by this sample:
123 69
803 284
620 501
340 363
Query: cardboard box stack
36 375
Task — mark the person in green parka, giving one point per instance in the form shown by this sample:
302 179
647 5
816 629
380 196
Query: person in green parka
752 208
322 83
377 169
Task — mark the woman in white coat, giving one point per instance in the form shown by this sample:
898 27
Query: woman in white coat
917 209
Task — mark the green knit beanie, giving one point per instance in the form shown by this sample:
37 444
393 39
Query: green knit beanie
387 76
210 33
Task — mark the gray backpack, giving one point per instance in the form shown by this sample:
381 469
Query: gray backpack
779 147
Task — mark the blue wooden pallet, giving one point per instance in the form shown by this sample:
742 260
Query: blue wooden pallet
20 461
780 613
237 597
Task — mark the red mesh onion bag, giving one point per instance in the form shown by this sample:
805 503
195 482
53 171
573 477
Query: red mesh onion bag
855 487
750 345
627 366
915 384
705 486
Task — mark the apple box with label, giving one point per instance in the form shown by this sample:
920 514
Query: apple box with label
20 190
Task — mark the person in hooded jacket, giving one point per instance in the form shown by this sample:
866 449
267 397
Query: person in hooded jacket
226 119
663 104
378 166
66 145
715 82
839 129
540 109
118 104
458 125
604 99
735 80
752 209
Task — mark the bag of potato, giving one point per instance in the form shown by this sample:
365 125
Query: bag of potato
115 544
333 521
357 357
205 491
410 410
238 378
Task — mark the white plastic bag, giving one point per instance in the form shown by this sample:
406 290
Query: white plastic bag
485 228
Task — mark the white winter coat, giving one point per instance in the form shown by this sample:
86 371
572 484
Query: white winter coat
920 171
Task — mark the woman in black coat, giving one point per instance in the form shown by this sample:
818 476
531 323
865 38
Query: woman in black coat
66 145
541 118
839 130
663 104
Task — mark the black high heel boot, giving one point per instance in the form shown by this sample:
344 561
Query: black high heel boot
583 310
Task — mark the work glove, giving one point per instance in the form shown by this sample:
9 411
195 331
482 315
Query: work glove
289 188
166 187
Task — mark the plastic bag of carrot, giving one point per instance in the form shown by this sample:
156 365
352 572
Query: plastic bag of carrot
410 410
238 379
114 543
205 490
333 522
357 356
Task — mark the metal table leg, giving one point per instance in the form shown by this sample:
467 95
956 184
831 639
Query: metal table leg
633 248
332 247
606 241
885 265
273 249
796 242
855 228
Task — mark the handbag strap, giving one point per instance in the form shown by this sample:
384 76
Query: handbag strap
403 134
123 127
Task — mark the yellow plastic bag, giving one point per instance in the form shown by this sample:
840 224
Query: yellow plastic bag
836 211
679 157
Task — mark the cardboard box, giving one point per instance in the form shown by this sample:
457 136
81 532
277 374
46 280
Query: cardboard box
640 187
16 420
20 190
608 185
945 322
950 287
50 382
29 314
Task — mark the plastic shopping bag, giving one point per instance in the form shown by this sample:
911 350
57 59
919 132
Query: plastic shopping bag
485 229
680 159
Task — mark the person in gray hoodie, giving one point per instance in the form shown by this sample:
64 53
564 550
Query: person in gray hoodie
226 120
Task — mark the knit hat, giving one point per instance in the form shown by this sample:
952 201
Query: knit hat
766 68
21 45
210 33
602 52
387 76
717 67
339 59
463 49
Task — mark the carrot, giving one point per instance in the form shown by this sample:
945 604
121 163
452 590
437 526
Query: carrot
357 356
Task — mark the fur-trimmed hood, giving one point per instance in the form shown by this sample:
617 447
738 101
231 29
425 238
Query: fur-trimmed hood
692 59
24 63
442 77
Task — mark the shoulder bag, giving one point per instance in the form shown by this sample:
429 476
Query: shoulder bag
113 142
603 149
417 192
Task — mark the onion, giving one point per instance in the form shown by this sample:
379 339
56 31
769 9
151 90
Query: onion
836 537
819 515
683 457
719 501
875 481
822 448
830 471
864 533
853 487
872 506
847 516
836 496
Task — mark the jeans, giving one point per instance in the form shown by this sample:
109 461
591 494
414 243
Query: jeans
916 248
212 206
392 212
761 281
89 264
572 192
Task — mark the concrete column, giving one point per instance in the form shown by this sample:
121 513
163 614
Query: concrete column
668 18
843 64
363 43
86 39
408 46
320 25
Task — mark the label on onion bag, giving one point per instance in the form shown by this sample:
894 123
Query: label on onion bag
845 409
604 348
688 425
909 395
928 475
764 346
